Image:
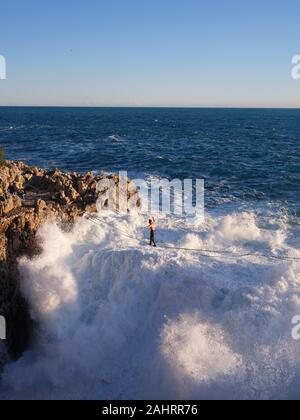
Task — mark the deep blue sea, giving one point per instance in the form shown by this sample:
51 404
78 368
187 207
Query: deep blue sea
243 155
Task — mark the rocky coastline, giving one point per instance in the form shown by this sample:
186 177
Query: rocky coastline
29 196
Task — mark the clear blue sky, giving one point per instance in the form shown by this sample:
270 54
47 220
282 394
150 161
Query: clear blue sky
150 52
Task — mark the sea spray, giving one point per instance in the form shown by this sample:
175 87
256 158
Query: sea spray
117 319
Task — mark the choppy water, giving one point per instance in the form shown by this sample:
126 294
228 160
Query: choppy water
117 319
243 155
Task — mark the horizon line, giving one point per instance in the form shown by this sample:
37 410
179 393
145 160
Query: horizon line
151 107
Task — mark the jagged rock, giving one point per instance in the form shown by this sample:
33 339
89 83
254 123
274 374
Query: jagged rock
41 205
72 193
63 199
9 204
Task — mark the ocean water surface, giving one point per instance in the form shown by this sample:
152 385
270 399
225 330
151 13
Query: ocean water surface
241 154
117 319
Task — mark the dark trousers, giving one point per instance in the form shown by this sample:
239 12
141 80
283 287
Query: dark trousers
152 238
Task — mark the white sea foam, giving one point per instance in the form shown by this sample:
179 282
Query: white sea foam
117 319
115 138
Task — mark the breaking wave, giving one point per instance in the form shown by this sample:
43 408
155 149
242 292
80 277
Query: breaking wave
119 320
